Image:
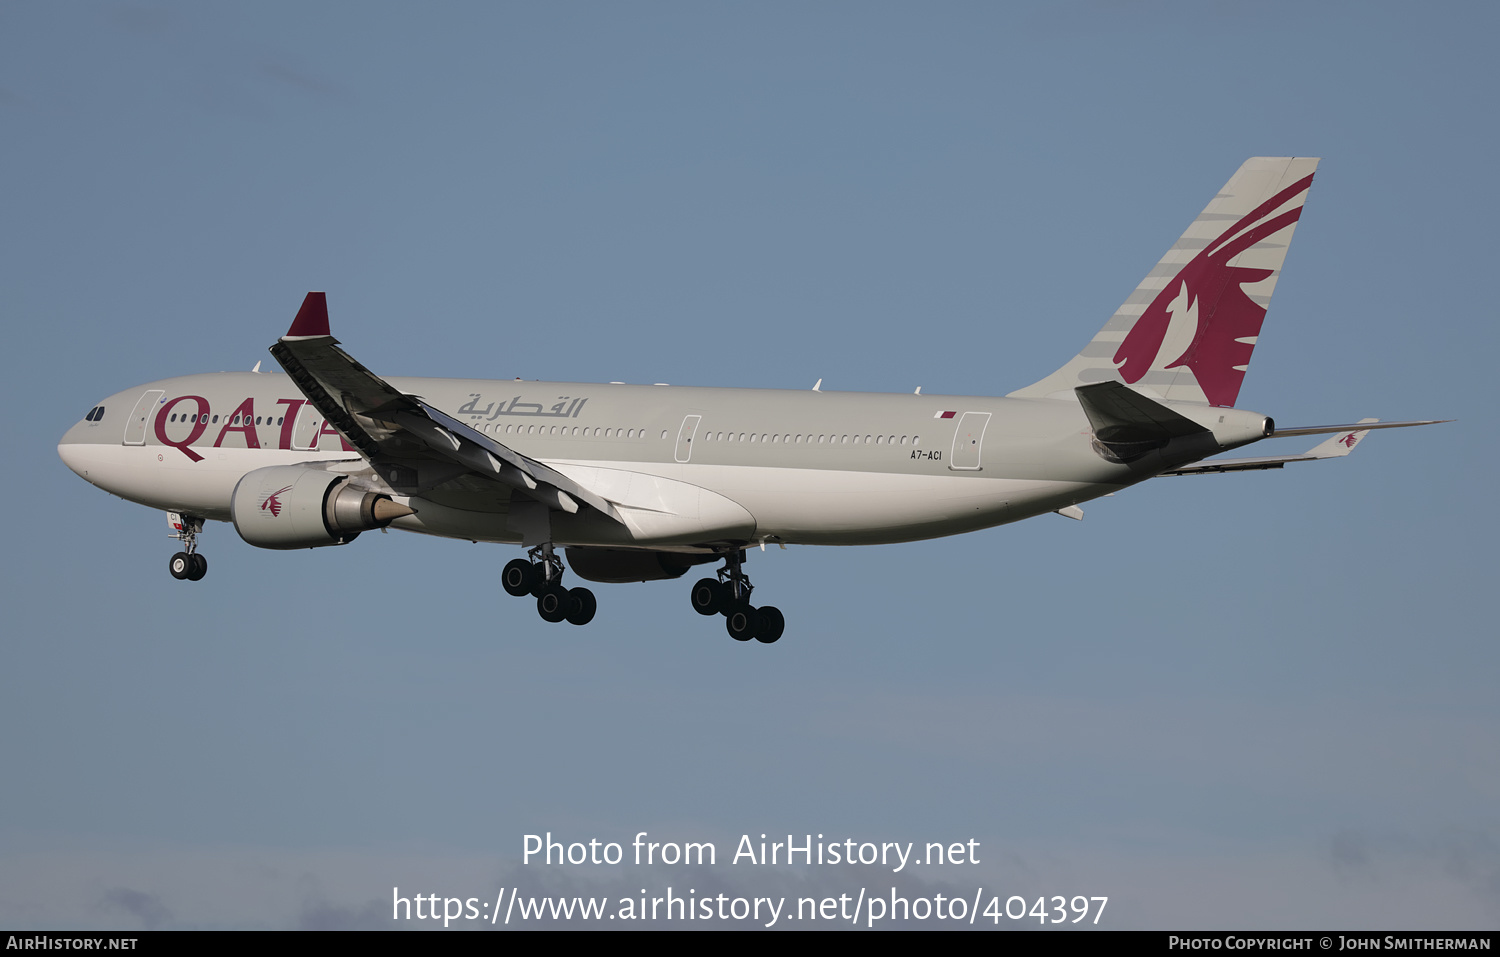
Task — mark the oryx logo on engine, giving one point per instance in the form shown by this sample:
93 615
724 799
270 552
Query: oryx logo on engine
272 504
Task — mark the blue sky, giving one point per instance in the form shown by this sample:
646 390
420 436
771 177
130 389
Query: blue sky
1261 700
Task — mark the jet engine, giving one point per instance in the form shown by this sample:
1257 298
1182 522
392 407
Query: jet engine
289 507
613 565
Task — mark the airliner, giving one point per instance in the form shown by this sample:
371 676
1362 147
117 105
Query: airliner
644 482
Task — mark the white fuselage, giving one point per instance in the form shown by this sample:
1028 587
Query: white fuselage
685 467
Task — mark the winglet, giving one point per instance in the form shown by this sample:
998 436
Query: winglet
312 318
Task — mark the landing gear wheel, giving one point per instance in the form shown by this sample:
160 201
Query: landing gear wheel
552 603
707 596
181 566
772 624
519 577
580 606
742 621
199 567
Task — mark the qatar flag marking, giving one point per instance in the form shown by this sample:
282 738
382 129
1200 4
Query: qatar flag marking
273 504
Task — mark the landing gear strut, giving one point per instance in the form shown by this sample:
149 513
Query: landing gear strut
541 577
729 595
187 564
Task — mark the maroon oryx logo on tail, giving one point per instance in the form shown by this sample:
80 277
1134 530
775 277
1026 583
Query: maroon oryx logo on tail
1209 291
273 504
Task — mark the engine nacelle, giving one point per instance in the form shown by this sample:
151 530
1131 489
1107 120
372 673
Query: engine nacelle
289 507
615 565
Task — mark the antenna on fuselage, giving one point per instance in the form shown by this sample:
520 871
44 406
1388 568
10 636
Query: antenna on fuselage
918 392
257 367
818 386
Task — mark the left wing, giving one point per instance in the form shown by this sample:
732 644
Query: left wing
413 445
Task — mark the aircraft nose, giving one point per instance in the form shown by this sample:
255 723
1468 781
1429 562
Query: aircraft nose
69 453
73 445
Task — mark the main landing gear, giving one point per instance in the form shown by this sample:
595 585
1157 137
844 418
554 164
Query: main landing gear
541 577
729 595
187 564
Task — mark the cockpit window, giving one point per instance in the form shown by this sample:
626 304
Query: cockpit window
95 414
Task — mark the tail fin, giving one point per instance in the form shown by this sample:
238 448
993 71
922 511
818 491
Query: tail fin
1188 330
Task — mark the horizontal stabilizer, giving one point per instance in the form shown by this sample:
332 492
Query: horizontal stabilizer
1344 440
1361 425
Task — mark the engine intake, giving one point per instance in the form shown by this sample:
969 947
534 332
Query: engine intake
289 507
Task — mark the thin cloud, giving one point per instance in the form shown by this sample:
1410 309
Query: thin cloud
147 908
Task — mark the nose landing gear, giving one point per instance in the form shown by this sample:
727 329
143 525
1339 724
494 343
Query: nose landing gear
541 577
186 564
729 595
